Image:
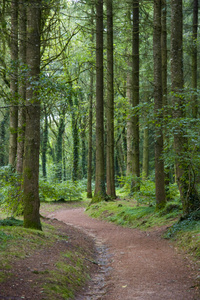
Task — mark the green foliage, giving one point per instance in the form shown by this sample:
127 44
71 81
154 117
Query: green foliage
146 194
128 213
10 191
11 222
64 191
187 234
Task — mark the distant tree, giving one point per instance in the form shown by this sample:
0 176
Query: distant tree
59 145
44 143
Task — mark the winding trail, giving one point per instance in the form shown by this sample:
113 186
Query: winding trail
142 265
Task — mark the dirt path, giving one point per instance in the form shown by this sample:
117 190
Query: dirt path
142 265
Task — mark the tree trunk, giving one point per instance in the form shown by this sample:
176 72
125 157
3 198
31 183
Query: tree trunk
59 146
100 192
194 58
110 171
89 170
3 156
185 178
83 147
22 88
75 147
89 174
129 167
159 164
14 84
164 80
135 94
145 165
32 131
44 144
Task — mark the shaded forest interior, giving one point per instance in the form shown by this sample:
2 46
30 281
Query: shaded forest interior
98 96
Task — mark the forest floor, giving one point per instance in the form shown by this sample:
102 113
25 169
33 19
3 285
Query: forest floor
132 264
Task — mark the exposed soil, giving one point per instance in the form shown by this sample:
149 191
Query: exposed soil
131 264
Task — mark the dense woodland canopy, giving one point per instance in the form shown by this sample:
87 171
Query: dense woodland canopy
103 92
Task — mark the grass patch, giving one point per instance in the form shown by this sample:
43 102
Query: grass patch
127 213
70 274
187 235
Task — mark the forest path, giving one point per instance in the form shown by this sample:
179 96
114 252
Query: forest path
139 265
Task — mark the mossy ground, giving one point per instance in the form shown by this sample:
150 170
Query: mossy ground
50 264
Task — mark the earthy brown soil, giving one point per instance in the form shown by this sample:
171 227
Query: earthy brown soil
27 276
132 264
143 265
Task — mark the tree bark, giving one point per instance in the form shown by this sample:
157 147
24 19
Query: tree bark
164 80
59 146
145 165
194 58
22 88
135 94
89 170
14 84
89 174
185 178
129 167
44 144
32 131
100 192
158 96
110 170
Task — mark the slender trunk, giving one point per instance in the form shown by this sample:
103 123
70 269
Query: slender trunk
194 58
14 84
164 80
135 94
59 146
100 173
75 147
22 88
110 172
145 165
44 144
89 174
184 172
159 164
129 167
3 156
32 131
83 148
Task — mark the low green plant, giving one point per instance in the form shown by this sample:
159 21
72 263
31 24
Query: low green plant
10 191
187 234
64 191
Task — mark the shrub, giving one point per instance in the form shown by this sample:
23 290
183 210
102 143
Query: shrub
10 191
64 191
